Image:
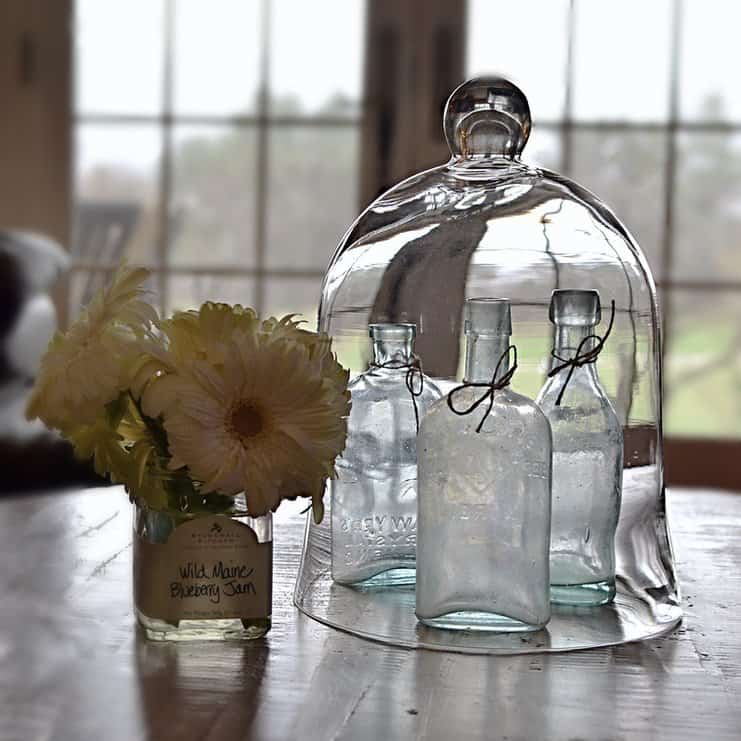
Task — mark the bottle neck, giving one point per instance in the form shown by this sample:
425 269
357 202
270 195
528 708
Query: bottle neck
393 351
482 355
568 340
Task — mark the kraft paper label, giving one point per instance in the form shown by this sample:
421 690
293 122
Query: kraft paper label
211 567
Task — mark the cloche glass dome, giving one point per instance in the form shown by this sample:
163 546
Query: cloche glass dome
488 224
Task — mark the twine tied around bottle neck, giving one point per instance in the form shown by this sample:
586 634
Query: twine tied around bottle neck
491 386
582 357
414 379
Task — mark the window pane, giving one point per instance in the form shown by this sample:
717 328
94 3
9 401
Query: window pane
536 62
710 50
116 193
312 193
190 291
703 374
217 52
707 226
626 170
293 296
213 202
621 59
119 56
544 148
316 60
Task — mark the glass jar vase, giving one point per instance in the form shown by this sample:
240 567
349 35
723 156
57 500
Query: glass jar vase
202 569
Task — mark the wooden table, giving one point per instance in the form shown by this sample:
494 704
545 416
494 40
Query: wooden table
73 666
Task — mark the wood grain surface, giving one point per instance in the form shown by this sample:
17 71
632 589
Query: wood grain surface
74 666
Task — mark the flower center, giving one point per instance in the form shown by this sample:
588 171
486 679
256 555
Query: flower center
246 419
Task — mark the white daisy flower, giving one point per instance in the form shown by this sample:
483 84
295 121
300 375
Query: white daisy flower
250 406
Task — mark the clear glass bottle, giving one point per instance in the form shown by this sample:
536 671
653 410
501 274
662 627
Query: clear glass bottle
484 497
374 498
587 460
202 569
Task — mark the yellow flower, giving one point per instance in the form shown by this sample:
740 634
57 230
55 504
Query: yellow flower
249 405
193 335
188 336
87 367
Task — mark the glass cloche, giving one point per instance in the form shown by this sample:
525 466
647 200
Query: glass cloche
487 224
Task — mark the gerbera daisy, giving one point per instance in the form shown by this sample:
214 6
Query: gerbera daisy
262 409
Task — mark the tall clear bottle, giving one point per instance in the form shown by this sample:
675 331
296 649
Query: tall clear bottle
484 495
587 459
374 498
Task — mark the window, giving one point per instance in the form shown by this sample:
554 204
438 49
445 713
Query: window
646 116
226 146
216 143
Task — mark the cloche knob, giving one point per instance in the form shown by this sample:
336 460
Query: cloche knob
487 117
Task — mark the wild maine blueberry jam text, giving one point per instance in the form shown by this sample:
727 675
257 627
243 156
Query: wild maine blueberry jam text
221 580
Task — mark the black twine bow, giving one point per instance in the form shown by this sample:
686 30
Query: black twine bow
490 386
582 357
414 370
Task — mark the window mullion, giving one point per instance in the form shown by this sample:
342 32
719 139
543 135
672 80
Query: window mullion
262 165
166 161
568 102
670 168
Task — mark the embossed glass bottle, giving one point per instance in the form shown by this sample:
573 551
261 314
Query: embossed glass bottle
587 460
484 497
374 498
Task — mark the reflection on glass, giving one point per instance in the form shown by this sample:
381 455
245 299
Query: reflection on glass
119 56
622 54
493 47
213 207
116 193
627 169
710 49
312 193
703 368
707 226
190 291
216 56
316 58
